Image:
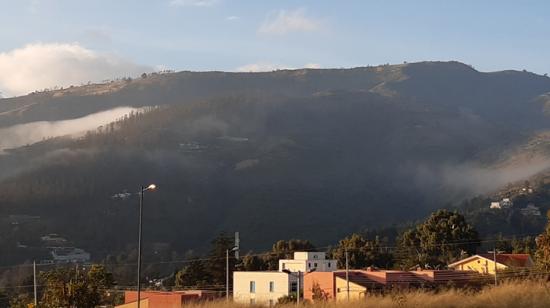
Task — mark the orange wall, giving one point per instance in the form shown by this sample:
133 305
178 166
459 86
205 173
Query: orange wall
325 280
159 299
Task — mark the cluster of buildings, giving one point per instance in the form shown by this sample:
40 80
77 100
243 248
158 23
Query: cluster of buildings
314 277
530 210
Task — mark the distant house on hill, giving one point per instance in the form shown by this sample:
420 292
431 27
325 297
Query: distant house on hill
530 210
506 203
485 264
495 205
70 255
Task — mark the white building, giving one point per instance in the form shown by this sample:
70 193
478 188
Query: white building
266 287
530 210
506 203
70 255
495 205
308 261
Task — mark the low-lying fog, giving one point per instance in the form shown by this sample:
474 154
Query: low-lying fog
29 133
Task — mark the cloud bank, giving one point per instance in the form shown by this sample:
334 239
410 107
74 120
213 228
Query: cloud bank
29 133
283 22
39 66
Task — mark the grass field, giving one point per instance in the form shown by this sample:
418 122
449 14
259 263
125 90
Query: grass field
509 294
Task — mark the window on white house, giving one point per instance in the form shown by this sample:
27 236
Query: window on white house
271 286
253 287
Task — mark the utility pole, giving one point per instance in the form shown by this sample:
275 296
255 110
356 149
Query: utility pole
347 274
495 262
139 246
227 274
34 278
298 289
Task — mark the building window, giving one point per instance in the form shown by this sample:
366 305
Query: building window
309 264
271 303
252 301
253 287
329 264
271 286
315 265
293 286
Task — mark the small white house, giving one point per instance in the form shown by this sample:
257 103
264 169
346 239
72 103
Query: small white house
495 206
506 203
70 255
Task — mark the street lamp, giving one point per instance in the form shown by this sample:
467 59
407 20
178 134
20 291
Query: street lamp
141 193
298 281
235 248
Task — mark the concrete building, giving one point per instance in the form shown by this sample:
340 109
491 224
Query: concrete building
530 210
69 255
263 288
307 261
484 263
334 286
266 287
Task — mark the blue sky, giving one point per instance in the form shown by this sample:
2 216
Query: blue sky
261 35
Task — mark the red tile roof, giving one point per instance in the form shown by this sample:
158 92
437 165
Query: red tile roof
511 259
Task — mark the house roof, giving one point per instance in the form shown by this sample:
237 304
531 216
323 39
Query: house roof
358 277
508 259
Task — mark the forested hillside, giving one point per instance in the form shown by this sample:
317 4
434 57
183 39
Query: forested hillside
312 154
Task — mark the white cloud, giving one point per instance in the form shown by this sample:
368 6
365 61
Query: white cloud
232 18
202 3
39 66
268 67
283 22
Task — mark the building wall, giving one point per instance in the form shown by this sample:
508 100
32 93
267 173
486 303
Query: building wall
325 280
159 299
144 304
480 265
262 294
307 265
356 291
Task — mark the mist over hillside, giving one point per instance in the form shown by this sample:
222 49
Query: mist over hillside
309 153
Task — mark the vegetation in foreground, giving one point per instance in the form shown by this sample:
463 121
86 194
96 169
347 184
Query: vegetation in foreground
509 294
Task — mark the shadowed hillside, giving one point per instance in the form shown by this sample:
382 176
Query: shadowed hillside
310 154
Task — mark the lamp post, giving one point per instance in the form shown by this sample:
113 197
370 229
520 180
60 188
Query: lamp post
235 248
141 192
298 276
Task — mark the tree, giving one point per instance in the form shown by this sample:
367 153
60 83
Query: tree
253 263
193 274
318 294
216 266
443 238
361 253
285 250
68 287
542 254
